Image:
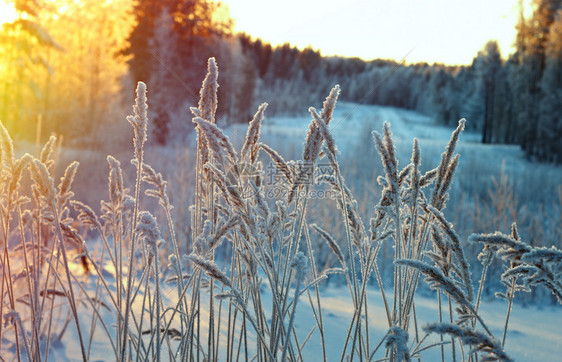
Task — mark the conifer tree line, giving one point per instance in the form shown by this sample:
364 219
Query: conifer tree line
514 100
69 63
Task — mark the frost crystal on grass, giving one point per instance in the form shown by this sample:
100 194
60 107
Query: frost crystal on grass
115 180
47 152
437 280
253 134
332 244
218 143
210 268
278 160
208 101
42 181
398 338
324 130
385 146
446 168
139 120
464 269
480 341
329 104
534 265
66 182
147 227
6 147
300 263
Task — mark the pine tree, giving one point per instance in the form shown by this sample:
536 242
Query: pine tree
533 35
169 47
488 64
550 107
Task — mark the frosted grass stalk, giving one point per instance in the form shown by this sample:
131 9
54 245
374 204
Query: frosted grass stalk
301 268
139 122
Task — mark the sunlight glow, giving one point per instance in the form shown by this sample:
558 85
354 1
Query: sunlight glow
7 12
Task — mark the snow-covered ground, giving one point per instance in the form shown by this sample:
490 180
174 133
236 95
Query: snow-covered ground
352 126
535 332
534 185
351 122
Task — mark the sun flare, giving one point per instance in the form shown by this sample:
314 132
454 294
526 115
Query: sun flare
8 12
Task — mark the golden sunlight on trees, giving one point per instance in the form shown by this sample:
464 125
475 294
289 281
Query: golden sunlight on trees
79 95
63 63
23 44
8 12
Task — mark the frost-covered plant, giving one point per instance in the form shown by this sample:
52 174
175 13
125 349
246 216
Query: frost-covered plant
491 348
532 265
216 309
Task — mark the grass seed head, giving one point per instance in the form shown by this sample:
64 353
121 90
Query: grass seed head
208 100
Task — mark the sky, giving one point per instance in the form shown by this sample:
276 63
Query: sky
445 31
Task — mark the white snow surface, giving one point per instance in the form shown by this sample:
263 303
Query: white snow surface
535 332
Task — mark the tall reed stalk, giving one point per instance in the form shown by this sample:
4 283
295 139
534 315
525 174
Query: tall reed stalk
232 289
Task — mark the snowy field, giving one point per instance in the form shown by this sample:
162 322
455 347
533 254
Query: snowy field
535 185
352 126
534 335
535 332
